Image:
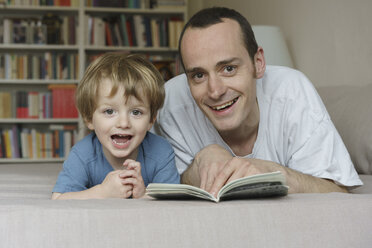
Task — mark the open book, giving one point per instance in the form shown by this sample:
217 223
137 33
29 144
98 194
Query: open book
256 186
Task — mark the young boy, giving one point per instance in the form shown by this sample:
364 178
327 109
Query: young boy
118 99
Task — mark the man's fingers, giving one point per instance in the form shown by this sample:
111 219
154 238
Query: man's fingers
241 171
208 175
221 179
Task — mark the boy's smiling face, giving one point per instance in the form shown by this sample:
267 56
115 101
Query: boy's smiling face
120 123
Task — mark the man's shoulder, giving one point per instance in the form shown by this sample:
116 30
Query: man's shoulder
282 75
177 92
283 81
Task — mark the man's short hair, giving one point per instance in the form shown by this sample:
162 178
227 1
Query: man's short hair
132 72
210 16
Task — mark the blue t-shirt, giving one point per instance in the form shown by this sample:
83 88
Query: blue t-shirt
86 165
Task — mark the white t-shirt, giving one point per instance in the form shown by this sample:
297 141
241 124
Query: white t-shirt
295 129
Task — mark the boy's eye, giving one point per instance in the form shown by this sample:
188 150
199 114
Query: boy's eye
136 112
109 111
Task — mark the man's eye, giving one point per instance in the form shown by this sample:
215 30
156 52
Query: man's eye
198 76
109 111
229 68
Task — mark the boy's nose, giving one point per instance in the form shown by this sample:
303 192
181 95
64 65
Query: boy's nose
123 121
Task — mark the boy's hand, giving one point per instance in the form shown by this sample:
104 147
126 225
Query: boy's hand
132 176
113 187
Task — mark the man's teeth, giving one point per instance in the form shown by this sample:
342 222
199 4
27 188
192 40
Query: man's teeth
225 105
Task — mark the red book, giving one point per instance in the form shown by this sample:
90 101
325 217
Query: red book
130 33
22 104
63 101
108 34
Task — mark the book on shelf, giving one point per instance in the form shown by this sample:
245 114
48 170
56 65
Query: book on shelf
63 100
47 30
139 30
6 105
71 3
59 102
46 65
256 186
169 4
53 25
118 3
31 143
134 30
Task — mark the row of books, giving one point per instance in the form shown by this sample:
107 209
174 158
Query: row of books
118 3
50 29
21 142
168 66
72 3
58 103
46 65
161 4
98 3
135 30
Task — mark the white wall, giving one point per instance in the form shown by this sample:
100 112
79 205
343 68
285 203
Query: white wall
329 40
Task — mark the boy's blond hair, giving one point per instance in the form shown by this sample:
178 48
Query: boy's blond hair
133 72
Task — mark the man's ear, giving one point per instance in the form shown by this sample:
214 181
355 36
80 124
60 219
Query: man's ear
259 62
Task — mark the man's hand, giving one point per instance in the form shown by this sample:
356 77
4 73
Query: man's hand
132 176
214 166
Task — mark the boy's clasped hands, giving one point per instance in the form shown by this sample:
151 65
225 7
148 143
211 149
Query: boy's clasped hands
124 183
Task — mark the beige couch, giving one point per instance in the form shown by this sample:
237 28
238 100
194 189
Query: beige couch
29 219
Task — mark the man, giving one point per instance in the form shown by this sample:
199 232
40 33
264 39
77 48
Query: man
231 116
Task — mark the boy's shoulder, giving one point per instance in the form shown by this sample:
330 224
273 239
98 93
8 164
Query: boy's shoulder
154 144
86 146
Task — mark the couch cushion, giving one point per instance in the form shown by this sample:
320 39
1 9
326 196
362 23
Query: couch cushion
350 108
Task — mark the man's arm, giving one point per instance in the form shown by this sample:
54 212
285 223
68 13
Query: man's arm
214 166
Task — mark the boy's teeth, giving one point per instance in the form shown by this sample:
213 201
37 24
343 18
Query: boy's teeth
120 139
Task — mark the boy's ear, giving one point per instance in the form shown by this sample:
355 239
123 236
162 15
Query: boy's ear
151 123
89 124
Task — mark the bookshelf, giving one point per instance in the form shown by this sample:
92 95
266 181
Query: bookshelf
68 57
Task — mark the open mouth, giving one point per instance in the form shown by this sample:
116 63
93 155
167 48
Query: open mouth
120 139
225 105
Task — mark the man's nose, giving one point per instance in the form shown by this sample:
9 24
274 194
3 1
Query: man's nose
216 87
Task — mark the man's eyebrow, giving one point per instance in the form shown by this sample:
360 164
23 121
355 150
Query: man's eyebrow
192 70
220 63
227 61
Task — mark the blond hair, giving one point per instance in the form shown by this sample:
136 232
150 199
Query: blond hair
133 72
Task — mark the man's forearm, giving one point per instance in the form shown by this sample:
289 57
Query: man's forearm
302 183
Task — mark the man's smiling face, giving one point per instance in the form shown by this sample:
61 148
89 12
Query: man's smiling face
221 75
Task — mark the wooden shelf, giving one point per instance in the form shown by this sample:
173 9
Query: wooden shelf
37 81
28 160
36 121
80 49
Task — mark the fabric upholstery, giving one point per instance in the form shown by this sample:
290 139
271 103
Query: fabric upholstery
28 218
350 108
